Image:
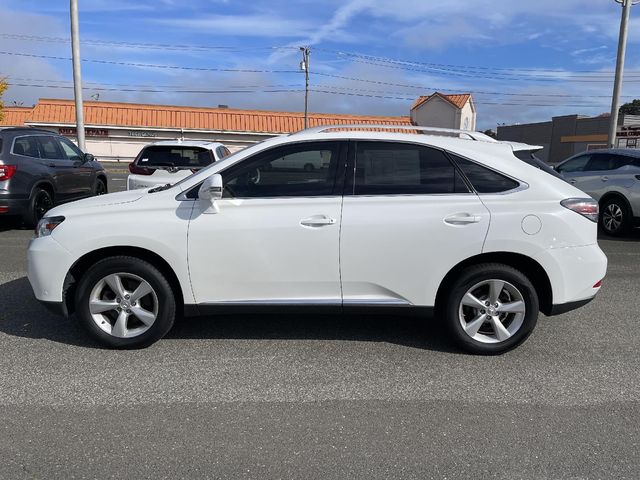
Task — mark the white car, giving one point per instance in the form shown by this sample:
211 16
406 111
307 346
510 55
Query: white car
170 161
398 221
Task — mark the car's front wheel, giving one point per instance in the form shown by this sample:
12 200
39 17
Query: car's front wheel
491 308
615 217
125 302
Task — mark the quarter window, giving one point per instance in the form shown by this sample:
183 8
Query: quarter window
27 146
302 170
483 179
391 168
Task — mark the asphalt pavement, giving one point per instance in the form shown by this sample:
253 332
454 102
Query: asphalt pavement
326 397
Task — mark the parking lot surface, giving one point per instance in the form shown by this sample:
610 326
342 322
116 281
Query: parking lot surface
320 397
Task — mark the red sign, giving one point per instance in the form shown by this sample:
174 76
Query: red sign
89 132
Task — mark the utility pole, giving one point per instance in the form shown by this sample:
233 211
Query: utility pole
617 84
304 66
77 75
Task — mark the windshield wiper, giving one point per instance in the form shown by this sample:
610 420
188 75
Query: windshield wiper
160 188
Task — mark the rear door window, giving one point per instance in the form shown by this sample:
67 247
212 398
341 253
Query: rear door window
26 146
160 156
393 168
50 148
577 164
483 179
599 162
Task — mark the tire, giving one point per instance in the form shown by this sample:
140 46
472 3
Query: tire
40 202
132 326
517 324
615 217
101 187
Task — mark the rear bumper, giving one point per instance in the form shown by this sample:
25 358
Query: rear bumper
561 308
13 206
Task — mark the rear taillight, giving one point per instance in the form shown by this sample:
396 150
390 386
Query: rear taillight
587 207
136 170
598 284
7 171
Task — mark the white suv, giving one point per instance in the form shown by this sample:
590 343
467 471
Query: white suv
396 221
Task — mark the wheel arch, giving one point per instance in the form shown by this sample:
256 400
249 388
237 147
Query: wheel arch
615 194
45 185
82 265
528 266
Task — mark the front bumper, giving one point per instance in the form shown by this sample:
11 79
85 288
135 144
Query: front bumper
47 265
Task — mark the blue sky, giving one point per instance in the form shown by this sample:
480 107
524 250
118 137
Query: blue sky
523 60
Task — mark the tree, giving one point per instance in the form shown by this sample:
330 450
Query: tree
631 108
3 88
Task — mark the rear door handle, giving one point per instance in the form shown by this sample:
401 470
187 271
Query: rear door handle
317 221
604 179
462 219
572 181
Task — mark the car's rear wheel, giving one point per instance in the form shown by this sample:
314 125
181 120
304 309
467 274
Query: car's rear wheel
615 217
101 187
41 201
491 308
125 302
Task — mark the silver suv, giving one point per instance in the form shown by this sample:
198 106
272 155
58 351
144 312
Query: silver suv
612 177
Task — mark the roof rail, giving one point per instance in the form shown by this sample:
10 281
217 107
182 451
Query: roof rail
471 135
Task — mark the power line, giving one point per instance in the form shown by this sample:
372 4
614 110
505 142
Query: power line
162 46
150 65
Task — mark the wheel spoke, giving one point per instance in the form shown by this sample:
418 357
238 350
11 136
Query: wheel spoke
472 301
495 288
120 327
512 307
100 306
115 283
474 325
499 329
145 316
143 289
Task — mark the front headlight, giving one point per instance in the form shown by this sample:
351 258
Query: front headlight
47 225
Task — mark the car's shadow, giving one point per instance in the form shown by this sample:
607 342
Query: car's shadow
22 316
631 236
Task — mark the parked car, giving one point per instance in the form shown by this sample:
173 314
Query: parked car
172 160
40 169
611 176
397 222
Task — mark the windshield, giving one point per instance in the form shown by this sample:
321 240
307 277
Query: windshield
158 156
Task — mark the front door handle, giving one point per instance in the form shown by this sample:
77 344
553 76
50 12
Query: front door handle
604 179
462 219
317 221
572 181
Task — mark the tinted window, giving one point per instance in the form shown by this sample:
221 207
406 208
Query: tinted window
222 152
50 148
483 179
27 146
599 162
575 164
618 161
529 158
307 169
387 168
178 157
71 152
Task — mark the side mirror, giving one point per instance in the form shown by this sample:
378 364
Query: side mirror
88 157
211 190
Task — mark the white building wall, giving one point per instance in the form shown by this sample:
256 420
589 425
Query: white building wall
436 112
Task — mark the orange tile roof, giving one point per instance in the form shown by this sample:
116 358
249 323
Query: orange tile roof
56 111
458 100
15 116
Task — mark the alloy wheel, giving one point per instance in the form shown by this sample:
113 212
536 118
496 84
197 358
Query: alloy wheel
492 311
123 305
612 217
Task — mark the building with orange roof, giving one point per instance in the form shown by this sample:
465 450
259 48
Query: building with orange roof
447 111
117 131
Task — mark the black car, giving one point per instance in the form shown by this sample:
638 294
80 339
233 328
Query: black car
40 169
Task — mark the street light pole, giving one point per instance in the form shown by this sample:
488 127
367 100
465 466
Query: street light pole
304 65
77 75
617 84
